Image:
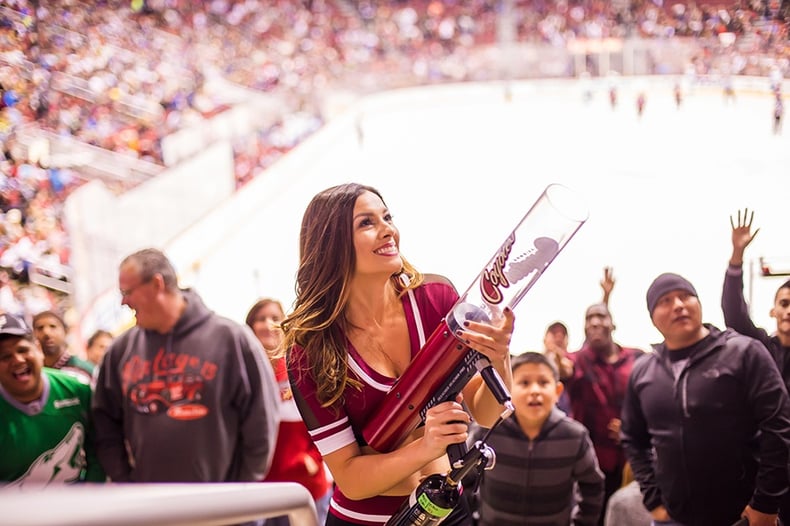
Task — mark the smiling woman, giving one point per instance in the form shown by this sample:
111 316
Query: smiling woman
362 313
376 252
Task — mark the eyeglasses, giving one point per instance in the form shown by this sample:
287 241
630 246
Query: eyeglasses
125 293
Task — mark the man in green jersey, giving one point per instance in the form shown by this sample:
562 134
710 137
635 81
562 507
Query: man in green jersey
45 434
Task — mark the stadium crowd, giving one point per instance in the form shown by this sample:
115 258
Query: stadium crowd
122 75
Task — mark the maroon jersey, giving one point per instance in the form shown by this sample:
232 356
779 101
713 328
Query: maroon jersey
335 427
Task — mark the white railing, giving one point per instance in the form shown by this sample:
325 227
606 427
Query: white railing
157 504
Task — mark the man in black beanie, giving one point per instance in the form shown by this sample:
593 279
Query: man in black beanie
706 418
664 284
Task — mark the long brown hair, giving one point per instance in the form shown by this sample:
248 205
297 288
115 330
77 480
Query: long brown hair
326 265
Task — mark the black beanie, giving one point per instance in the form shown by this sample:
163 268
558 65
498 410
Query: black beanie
666 283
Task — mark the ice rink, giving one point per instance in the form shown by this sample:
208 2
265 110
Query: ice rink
459 166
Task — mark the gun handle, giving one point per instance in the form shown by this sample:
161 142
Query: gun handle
456 452
493 380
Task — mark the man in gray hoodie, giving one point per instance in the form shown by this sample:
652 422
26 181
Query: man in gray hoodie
185 395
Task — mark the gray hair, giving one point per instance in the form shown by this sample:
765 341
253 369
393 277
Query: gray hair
151 262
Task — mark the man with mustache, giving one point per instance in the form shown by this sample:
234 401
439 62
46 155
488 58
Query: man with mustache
706 419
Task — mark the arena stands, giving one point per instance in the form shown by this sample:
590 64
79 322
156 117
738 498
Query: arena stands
101 91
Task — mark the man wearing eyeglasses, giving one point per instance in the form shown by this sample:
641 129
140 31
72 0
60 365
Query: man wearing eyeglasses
185 395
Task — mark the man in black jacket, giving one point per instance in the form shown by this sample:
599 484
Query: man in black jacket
737 317
733 303
706 418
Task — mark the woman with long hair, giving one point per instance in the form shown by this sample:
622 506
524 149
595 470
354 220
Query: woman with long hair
361 314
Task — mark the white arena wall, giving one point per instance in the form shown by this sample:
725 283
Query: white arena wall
460 164
104 227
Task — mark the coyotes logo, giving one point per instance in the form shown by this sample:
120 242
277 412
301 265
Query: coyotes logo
501 276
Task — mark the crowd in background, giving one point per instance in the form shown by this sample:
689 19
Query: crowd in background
122 75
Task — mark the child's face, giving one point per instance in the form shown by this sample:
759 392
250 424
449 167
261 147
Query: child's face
535 391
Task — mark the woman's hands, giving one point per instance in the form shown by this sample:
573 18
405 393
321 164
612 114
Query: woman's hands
491 340
446 423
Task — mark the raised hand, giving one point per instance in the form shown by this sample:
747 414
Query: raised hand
607 284
493 341
742 234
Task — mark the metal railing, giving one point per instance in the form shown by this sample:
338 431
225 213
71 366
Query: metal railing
111 167
211 504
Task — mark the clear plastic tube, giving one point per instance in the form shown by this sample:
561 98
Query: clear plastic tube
526 253
445 363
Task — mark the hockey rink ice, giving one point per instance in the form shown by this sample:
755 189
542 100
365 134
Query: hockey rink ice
460 166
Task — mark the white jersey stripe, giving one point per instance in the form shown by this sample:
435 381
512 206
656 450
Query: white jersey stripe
379 519
417 319
334 442
323 429
365 377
